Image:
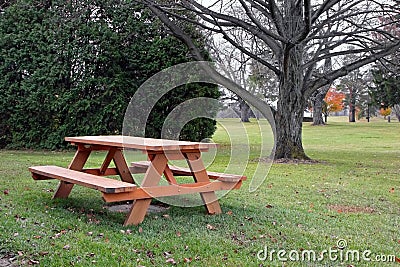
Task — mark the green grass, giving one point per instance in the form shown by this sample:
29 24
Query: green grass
360 170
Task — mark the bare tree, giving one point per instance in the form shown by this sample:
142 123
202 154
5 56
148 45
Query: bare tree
317 98
235 66
396 111
295 33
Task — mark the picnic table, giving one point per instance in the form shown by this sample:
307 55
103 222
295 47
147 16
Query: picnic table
159 154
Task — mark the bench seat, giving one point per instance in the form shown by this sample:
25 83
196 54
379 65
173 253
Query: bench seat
141 167
103 184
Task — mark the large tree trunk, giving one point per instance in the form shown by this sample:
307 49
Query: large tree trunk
289 128
290 109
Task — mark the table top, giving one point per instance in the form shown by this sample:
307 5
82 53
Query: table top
140 143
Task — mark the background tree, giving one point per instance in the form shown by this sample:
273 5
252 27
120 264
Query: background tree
333 102
396 110
235 66
294 33
355 86
386 91
318 102
385 112
70 68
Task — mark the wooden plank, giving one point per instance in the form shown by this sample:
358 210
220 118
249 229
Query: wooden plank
107 160
151 178
96 171
199 173
69 177
169 175
144 144
77 163
122 167
141 166
168 190
80 158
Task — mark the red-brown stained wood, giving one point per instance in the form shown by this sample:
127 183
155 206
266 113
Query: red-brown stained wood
145 144
152 178
141 167
68 176
159 152
199 173
168 190
123 169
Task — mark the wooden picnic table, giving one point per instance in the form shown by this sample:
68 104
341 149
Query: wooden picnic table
159 152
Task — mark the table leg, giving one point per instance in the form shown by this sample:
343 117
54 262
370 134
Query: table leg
151 178
122 167
196 165
110 156
77 163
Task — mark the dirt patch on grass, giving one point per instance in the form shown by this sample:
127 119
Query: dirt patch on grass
289 161
351 209
298 161
7 261
125 208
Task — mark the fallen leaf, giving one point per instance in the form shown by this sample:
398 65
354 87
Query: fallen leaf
140 230
269 206
273 239
43 253
6 192
210 227
229 212
167 254
33 262
171 260
397 259
187 260
150 254
67 247
178 234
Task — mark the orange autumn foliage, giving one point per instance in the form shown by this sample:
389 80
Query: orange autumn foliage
334 100
385 111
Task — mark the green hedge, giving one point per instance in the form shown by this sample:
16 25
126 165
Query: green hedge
71 69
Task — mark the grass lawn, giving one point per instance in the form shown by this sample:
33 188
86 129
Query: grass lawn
352 195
